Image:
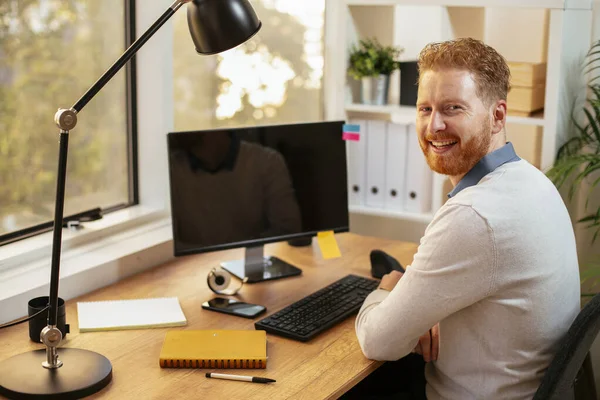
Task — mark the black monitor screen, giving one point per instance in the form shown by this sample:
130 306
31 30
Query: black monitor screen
250 186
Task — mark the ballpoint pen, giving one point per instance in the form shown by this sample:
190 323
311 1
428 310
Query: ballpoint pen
244 378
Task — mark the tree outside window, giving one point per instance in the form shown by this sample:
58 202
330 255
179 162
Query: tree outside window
51 51
276 77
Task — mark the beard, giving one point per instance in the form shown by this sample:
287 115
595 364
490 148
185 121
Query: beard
462 157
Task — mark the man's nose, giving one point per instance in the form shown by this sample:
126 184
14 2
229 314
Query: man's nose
436 122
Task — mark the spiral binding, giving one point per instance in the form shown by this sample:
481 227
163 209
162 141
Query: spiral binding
230 363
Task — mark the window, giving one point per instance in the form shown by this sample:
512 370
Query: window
276 77
51 52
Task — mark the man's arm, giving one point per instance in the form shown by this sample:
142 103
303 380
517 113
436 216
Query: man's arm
454 268
428 344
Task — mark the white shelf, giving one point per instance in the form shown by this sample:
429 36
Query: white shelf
536 119
550 4
564 30
397 114
381 212
407 114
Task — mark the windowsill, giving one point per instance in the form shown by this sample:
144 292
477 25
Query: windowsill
103 252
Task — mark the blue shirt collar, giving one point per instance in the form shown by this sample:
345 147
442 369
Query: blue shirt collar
487 164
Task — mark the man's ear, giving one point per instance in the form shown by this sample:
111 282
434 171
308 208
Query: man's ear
499 116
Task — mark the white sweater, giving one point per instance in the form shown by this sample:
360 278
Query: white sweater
497 268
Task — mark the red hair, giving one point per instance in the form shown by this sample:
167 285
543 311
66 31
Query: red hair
490 70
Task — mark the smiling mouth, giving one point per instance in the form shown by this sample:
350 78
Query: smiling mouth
442 144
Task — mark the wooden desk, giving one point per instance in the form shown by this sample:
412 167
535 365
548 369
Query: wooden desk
323 368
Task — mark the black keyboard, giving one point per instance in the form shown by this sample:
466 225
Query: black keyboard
319 311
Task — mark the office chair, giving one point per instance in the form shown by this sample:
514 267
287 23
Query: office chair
570 374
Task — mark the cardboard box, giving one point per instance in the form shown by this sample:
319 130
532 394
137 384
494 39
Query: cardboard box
526 99
527 74
528 88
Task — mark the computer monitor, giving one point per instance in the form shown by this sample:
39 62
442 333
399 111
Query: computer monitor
246 187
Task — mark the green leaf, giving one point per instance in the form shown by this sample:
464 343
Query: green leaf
595 89
588 218
593 123
596 77
590 273
370 58
578 158
593 186
593 59
589 70
568 165
587 171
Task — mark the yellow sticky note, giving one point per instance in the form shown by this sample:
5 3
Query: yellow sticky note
328 245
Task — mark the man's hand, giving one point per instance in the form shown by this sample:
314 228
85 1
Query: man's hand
388 281
429 344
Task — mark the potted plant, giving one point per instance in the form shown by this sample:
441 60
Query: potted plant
372 64
578 159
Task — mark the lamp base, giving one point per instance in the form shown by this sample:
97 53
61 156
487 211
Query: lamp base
82 374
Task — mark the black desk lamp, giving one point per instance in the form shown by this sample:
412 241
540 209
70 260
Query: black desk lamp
215 26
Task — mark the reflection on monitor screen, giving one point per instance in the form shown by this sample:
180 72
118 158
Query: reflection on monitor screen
245 187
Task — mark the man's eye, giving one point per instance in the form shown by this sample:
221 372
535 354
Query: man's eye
425 109
454 108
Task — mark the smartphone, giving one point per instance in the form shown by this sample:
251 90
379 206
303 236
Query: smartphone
234 307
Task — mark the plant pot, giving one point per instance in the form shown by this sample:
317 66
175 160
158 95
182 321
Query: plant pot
374 89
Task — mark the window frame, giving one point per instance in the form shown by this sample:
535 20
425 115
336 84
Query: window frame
129 22
131 103
125 241
139 237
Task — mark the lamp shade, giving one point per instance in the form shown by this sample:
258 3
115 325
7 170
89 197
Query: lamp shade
219 25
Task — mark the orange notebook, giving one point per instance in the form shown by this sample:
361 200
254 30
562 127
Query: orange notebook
214 349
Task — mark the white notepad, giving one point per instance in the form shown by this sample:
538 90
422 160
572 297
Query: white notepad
130 314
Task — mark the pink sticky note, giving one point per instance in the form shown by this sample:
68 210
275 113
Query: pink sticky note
351 136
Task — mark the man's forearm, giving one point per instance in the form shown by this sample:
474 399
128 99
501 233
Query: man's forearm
371 338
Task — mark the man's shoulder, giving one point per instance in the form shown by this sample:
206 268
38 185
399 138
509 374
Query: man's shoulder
516 172
512 194
460 217
507 181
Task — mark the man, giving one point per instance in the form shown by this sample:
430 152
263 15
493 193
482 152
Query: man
497 267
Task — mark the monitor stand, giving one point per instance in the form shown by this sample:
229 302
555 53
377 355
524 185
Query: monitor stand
257 267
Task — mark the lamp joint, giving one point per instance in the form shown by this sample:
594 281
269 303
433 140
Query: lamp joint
51 336
65 119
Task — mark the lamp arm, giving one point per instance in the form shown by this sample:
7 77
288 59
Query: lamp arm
127 55
66 119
